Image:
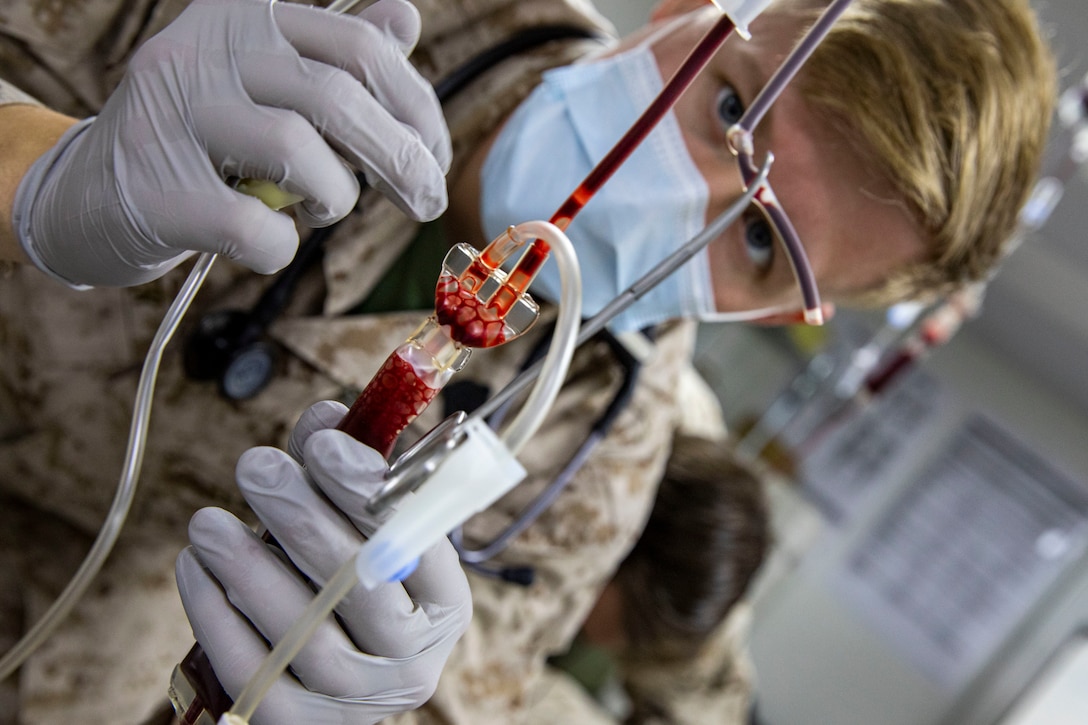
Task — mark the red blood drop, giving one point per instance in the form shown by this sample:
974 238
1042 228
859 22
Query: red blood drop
470 323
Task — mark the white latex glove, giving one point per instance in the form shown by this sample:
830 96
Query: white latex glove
237 88
384 652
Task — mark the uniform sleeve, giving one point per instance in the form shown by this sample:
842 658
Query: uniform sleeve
11 94
703 416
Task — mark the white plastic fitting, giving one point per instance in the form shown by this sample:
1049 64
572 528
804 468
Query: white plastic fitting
742 12
474 475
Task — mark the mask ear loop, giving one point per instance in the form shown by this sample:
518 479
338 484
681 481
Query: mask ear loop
755 315
741 143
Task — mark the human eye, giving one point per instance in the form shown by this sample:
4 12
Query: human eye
759 241
728 105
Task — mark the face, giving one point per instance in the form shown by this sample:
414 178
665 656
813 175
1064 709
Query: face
853 231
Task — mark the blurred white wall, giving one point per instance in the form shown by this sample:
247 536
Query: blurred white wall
626 14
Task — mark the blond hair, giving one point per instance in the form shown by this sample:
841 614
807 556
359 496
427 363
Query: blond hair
950 101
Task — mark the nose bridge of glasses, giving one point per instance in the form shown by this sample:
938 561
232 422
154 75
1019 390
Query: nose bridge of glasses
742 146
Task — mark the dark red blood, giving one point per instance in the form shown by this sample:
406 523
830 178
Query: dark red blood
665 100
524 273
470 322
390 402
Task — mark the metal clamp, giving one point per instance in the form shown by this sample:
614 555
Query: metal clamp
416 464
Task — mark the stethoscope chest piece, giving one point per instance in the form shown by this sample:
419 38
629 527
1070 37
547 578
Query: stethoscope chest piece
227 346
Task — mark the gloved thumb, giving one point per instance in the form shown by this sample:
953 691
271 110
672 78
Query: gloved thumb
346 471
319 416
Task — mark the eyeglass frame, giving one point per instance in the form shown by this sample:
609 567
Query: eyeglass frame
740 139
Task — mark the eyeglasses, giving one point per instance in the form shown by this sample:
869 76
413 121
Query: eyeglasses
741 144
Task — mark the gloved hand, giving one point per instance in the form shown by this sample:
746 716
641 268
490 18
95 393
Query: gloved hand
387 648
237 88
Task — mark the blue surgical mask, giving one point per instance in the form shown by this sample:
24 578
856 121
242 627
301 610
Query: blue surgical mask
655 202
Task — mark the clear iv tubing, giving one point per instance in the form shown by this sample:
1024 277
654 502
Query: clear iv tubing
126 488
561 350
514 436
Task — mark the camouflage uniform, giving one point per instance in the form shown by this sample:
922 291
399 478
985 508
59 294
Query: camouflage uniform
71 361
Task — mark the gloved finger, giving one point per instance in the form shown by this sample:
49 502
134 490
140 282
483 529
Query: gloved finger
388 151
440 588
272 597
398 20
234 648
335 461
232 224
186 206
347 472
319 416
365 51
318 539
279 146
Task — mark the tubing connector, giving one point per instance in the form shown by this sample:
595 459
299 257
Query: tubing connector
463 262
473 476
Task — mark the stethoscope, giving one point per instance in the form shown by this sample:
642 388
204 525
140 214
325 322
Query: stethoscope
231 346
476 559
